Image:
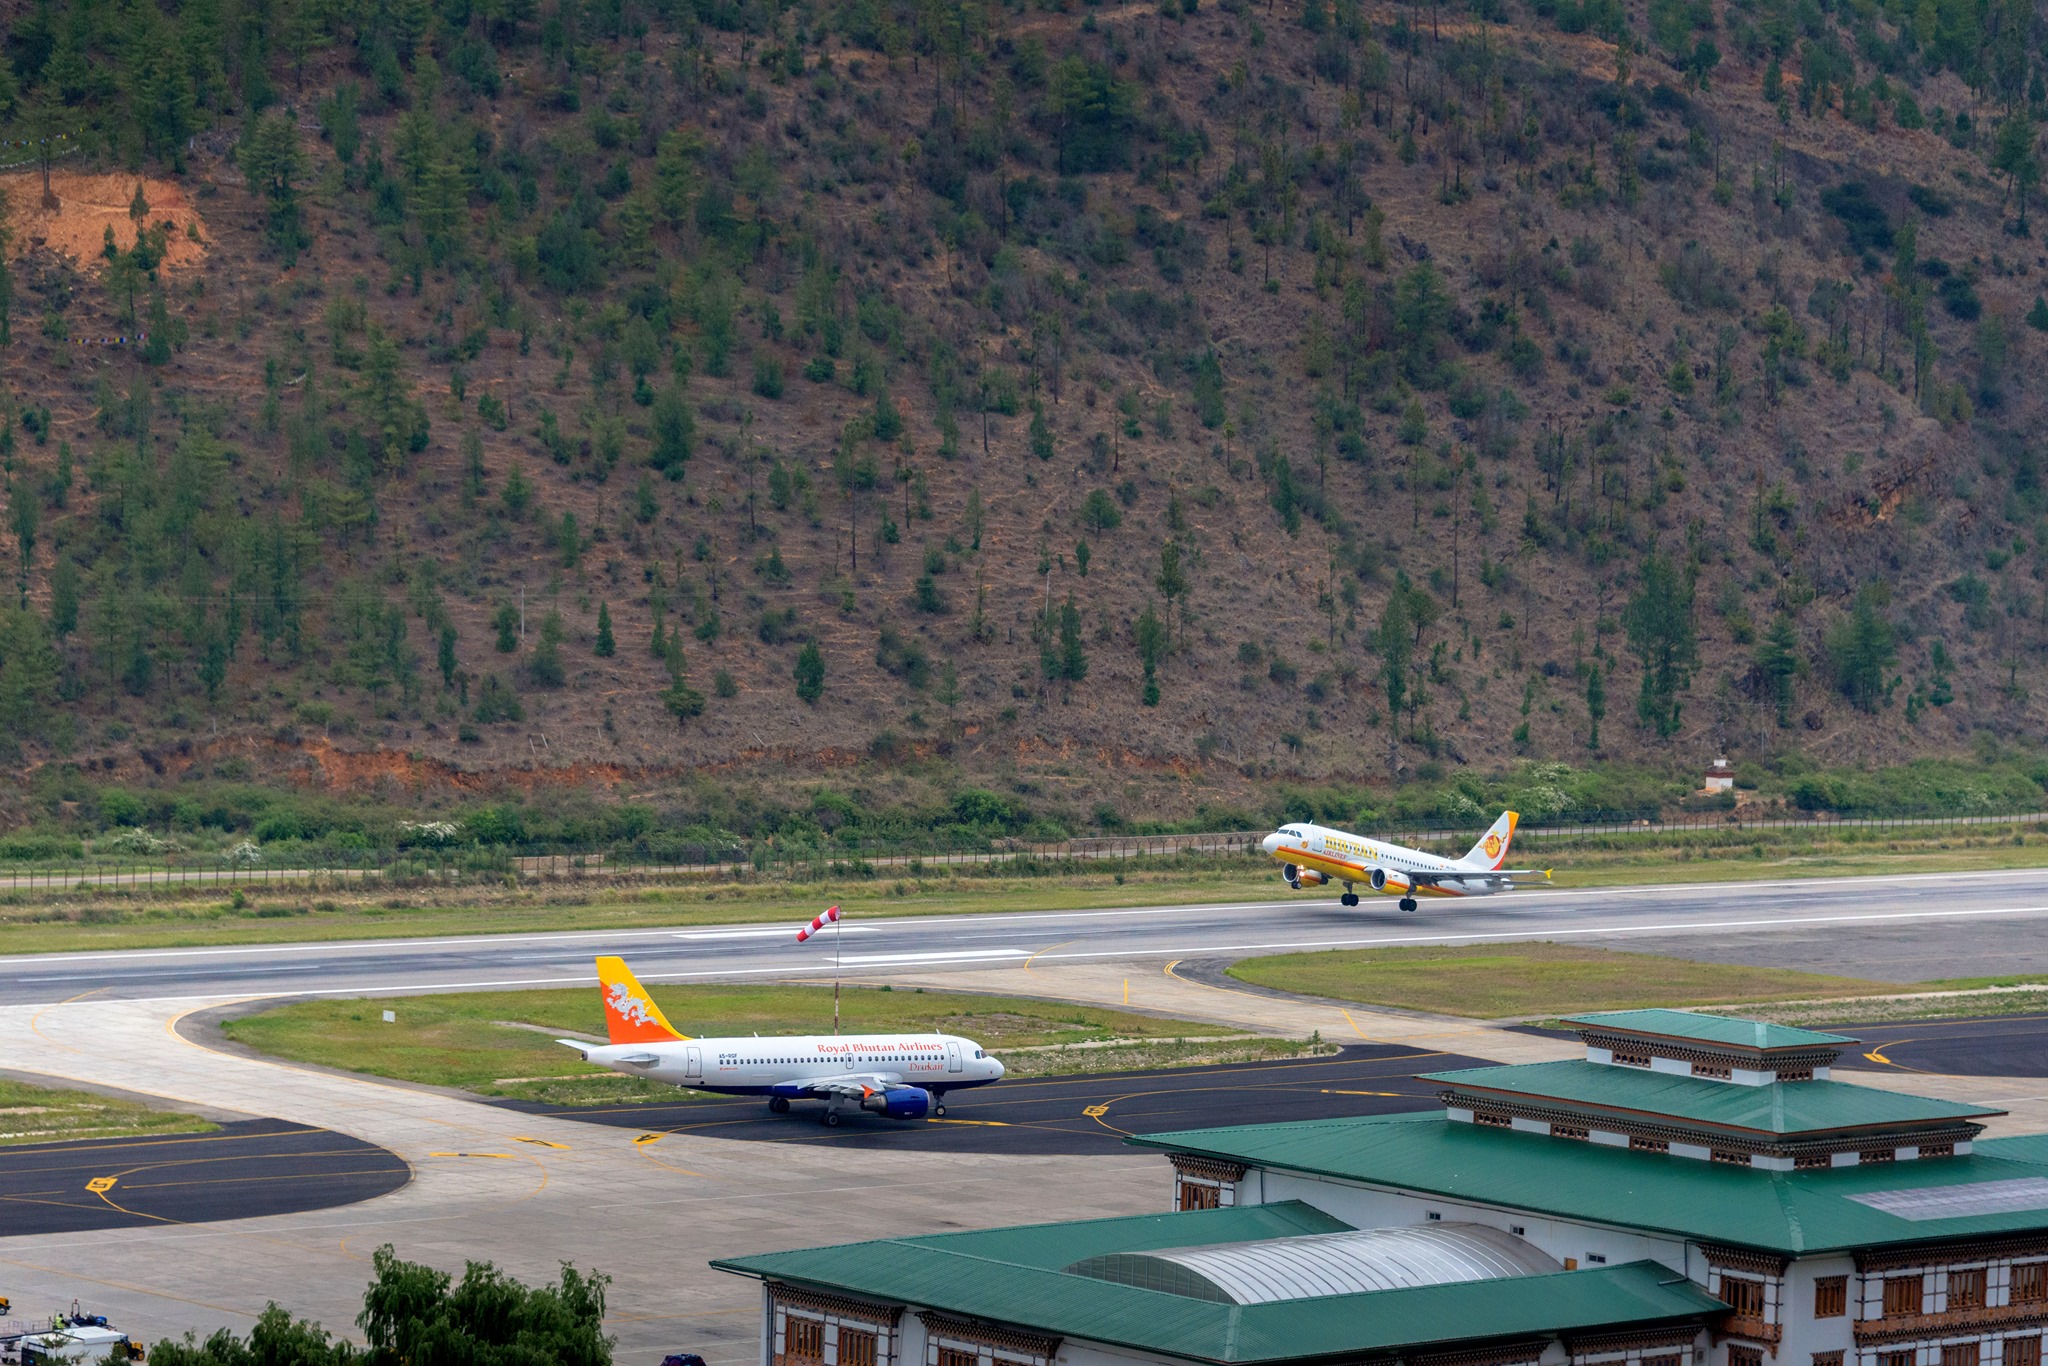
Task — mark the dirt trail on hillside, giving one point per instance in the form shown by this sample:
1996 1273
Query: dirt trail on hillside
87 205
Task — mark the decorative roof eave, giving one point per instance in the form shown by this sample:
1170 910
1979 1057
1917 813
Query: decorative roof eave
832 1301
1699 1050
1980 1248
1006 1337
1557 1107
1998 1319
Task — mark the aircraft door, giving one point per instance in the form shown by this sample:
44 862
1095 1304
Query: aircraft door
953 1063
1316 843
693 1061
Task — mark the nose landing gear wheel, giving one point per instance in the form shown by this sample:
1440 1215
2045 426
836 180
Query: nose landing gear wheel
1348 899
830 1119
1407 903
778 1105
940 1109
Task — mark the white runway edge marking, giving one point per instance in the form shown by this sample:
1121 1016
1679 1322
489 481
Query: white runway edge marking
340 946
981 955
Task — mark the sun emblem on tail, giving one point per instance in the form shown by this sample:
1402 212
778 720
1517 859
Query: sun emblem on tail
1493 846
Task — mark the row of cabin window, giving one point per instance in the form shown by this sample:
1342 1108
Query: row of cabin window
804 1340
1903 1295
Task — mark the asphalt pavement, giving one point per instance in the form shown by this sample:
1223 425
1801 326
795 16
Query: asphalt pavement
1987 1046
1040 1116
248 1168
1925 926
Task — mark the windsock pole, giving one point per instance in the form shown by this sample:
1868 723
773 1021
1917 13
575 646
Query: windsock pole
835 972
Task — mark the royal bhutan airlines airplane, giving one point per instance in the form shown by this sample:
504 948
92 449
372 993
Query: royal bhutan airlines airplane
897 1076
1314 855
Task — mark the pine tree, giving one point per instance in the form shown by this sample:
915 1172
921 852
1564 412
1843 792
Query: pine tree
272 161
1660 630
1777 664
810 673
544 665
1596 705
506 620
446 655
606 647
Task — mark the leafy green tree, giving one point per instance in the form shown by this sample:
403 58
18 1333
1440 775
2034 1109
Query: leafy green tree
398 420
1071 660
605 647
1172 582
1041 433
1596 705
1151 640
6 278
1091 114
2014 156
272 160
1396 647
1100 513
1862 647
544 664
506 621
445 654
810 673
1777 664
680 699
25 513
1660 630
675 432
277 1339
411 1315
1422 313
28 676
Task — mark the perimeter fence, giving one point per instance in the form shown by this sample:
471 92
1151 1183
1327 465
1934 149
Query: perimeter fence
852 855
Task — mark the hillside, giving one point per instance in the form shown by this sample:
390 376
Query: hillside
1132 406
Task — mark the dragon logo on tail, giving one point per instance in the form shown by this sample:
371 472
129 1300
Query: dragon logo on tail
619 998
1493 846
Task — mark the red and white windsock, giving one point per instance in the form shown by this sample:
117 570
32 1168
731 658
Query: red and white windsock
827 917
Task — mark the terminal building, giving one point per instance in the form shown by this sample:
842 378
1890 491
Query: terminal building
1697 1191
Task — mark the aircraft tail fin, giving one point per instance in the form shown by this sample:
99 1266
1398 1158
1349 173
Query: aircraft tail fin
1492 849
630 1014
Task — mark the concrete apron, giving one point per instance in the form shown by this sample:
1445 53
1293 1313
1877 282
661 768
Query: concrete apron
490 1184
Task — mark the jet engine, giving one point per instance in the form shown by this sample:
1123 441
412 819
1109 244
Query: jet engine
898 1102
1393 884
1301 877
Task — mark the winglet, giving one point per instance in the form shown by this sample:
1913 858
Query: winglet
630 1015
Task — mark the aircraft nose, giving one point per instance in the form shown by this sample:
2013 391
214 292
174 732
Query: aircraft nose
998 1066
1271 843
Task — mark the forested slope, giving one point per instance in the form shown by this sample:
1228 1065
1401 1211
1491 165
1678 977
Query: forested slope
1137 405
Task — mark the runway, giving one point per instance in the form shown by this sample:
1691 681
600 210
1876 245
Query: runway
1891 928
1079 1114
248 1169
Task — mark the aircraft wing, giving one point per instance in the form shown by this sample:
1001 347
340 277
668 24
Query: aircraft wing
852 1085
1506 875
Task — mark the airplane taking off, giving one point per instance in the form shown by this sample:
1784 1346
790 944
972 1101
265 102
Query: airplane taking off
897 1076
1315 855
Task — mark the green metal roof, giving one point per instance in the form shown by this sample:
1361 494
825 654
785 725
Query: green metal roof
1777 1108
1793 1212
1010 1276
1709 1029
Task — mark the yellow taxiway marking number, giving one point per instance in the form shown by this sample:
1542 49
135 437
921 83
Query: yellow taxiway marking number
1096 1111
648 1138
100 1185
985 1123
1328 1092
539 1142
505 1156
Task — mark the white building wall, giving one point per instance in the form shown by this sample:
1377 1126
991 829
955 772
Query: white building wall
1805 1334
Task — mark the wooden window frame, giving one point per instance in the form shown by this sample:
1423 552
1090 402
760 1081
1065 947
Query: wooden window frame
958 1356
810 1331
1200 1195
2024 1350
1896 1294
1831 1297
1648 1145
1743 1354
1961 1353
867 1341
2029 1283
1743 1294
1903 1357
1966 1289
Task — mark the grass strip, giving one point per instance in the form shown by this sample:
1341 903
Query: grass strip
1496 981
502 1043
44 1114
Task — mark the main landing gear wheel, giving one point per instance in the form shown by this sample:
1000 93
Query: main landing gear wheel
830 1119
939 1109
778 1105
1348 899
1407 903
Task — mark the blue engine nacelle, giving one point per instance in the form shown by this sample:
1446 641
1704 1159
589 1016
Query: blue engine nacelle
899 1102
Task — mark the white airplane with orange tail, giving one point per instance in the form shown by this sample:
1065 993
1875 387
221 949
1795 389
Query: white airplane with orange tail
1315 856
896 1076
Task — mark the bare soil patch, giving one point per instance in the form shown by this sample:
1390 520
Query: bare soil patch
87 205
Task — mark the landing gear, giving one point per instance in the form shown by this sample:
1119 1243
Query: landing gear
830 1119
939 1103
1407 903
940 1109
778 1105
1350 898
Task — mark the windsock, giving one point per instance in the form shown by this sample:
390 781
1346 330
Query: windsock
830 915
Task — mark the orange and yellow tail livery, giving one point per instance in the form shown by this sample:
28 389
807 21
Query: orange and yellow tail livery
630 1015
